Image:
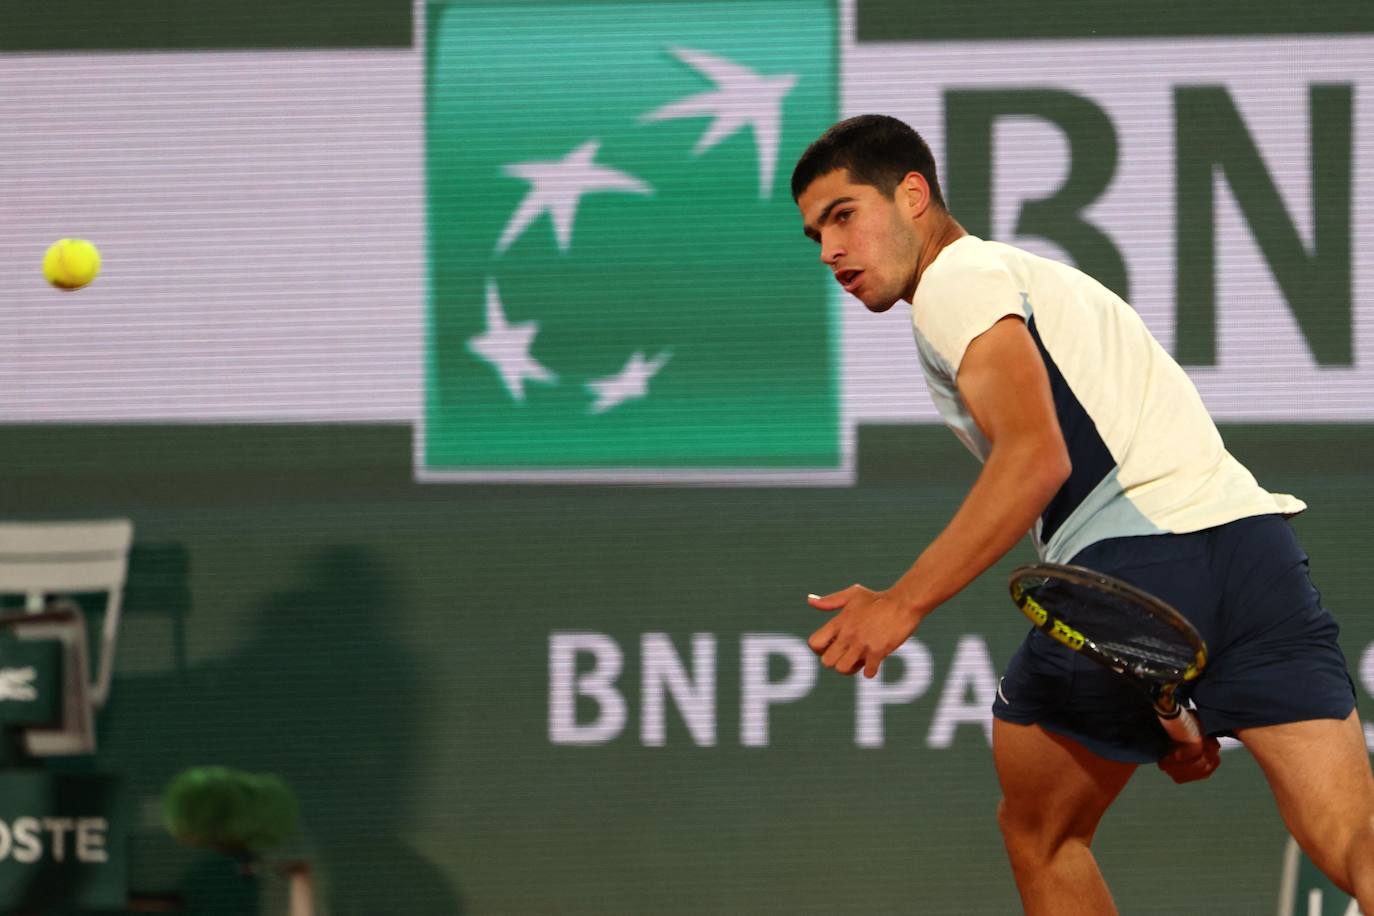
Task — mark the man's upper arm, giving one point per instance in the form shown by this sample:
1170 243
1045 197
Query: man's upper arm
1003 383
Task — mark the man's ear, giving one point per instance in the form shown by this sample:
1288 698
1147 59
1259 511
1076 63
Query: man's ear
915 192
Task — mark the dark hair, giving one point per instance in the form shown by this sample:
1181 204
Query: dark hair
875 149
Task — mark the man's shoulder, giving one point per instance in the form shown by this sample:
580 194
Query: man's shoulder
967 265
970 251
970 254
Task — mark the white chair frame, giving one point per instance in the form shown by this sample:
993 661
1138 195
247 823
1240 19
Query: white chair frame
42 560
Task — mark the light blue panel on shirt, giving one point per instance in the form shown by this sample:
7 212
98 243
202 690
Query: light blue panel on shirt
1104 513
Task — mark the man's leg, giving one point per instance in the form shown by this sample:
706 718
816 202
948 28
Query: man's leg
1054 793
1319 773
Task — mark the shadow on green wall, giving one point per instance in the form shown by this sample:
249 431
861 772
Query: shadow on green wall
322 694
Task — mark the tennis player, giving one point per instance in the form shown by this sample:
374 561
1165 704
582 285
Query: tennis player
1095 441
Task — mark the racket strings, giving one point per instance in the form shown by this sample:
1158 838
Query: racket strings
1120 627
1167 657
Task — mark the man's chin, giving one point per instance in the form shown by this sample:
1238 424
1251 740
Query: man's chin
880 306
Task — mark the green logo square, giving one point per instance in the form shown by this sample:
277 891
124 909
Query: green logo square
618 287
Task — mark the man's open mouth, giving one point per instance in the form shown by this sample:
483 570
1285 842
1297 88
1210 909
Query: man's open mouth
849 279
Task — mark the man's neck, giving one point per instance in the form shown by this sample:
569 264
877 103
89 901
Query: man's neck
946 232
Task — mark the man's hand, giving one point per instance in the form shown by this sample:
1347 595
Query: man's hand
1187 762
868 628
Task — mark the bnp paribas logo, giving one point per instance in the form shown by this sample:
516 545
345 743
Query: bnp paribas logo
619 289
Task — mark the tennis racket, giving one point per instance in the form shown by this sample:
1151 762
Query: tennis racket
1121 627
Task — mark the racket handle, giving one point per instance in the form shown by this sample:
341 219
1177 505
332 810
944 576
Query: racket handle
1181 724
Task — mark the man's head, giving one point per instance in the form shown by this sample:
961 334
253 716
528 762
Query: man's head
868 194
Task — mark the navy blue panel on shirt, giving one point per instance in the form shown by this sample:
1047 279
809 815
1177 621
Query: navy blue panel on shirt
1088 453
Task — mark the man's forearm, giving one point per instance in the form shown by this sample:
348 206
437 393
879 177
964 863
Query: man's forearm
1013 488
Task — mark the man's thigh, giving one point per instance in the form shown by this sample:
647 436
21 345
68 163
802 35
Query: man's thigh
1319 773
1053 788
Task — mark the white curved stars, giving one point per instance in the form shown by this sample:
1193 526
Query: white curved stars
742 97
506 347
630 383
558 186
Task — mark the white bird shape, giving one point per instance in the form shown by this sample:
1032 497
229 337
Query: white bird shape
506 347
557 188
742 97
628 384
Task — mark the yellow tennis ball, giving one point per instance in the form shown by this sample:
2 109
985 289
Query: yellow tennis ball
71 263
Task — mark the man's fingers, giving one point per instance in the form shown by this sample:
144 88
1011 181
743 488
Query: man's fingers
839 643
822 638
844 657
1184 753
1212 751
834 653
850 661
1198 769
832 602
1190 762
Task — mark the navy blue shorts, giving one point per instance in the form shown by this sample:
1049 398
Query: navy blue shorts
1272 655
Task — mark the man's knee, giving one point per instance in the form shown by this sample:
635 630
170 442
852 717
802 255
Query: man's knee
1026 833
1031 831
1008 823
1358 859
1342 850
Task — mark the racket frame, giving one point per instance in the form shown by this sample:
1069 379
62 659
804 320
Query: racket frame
1181 725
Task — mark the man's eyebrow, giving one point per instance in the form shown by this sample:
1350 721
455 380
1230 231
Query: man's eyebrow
825 214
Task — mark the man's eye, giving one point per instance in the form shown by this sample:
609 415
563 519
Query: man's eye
842 216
